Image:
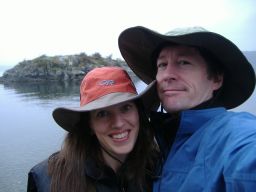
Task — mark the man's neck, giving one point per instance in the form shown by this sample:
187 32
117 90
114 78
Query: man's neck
211 103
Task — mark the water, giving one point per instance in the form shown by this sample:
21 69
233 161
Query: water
28 133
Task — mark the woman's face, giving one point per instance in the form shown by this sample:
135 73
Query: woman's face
116 128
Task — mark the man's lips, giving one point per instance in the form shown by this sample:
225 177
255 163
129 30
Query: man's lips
172 91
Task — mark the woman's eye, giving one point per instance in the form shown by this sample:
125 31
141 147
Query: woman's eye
126 108
101 114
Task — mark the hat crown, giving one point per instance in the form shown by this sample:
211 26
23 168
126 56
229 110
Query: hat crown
138 46
105 87
103 81
185 31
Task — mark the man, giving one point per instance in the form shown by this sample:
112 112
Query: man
200 75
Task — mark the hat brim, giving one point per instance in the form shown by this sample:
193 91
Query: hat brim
69 118
137 46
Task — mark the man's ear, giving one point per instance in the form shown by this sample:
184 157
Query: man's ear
218 81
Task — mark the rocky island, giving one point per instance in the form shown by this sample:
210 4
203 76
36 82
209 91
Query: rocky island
70 68
59 68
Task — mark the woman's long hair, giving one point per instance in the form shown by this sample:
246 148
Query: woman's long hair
67 168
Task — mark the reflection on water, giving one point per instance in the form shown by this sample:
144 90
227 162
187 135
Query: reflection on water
28 133
47 90
56 93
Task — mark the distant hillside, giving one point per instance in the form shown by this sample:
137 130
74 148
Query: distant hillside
59 68
3 68
70 67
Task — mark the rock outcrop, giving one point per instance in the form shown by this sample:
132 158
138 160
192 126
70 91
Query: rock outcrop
59 68
70 67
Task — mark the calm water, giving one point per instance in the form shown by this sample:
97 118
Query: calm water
28 134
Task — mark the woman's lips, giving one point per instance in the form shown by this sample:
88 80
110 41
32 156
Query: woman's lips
121 136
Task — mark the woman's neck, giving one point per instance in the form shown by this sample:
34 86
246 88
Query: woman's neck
113 161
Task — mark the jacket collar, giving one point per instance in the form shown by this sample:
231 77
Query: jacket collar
188 121
169 126
191 120
98 172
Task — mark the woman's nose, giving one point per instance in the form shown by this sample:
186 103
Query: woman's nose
117 121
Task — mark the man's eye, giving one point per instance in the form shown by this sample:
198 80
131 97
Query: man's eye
183 62
161 65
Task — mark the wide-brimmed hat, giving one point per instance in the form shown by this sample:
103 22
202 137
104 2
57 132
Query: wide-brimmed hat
138 45
104 87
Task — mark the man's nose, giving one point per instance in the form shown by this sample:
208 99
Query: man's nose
170 73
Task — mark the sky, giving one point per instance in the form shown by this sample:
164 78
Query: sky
31 28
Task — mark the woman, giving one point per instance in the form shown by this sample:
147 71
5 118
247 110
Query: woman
109 146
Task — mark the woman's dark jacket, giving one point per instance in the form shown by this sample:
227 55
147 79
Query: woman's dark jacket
105 179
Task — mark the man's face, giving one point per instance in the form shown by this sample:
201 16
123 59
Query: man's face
182 78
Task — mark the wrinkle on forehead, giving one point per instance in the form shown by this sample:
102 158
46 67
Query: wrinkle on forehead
180 50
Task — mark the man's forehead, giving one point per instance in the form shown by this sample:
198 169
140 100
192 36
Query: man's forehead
181 50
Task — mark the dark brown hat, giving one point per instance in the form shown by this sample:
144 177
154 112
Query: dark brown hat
138 44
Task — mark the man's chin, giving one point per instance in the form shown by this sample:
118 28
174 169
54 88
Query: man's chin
172 108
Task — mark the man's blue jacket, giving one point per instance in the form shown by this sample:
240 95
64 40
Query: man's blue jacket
214 150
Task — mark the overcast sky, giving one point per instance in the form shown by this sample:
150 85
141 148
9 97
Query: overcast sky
31 28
